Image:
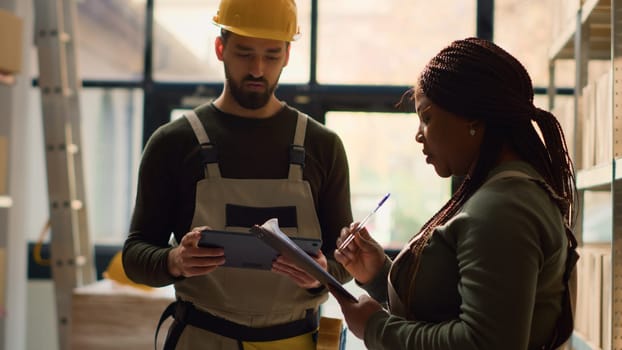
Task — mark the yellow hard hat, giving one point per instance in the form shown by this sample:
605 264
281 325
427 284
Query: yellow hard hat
264 19
116 273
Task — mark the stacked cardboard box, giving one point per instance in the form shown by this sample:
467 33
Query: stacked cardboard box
10 42
593 309
597 109
603 120
330 333
107 316
4 165
587 126
564 111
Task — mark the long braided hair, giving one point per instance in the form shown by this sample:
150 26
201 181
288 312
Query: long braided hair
478 80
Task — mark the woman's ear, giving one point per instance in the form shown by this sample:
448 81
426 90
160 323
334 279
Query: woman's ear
477 126
219 47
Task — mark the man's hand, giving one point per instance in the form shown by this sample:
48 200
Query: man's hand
188 259
286 267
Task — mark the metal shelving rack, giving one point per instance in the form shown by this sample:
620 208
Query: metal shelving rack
616 188
597 35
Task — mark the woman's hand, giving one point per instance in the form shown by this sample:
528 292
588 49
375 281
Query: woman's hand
357 313
287 267
188 259
363 257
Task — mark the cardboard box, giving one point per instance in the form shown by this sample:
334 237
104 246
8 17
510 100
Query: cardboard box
11 37
588 126
603 119
606 297
108 316
330 333
4 165
595 293
3 274
564 111
582 308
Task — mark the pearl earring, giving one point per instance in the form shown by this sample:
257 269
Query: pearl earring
472 132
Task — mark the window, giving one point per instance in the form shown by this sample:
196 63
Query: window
110 40
525 29
112 142
111 125
184 42
386 41
384 157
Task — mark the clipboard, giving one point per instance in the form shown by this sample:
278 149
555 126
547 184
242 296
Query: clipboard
271 234
245 250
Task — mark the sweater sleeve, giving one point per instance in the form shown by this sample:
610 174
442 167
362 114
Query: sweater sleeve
377 287
145 251
499 257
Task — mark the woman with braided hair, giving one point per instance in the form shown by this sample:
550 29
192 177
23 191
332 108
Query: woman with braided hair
491 269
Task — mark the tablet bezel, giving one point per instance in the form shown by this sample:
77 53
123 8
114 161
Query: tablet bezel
245 250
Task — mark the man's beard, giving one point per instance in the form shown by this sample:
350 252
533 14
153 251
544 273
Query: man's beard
252 99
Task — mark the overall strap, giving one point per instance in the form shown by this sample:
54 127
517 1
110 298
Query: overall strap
208 150
297 150
176 328
185 313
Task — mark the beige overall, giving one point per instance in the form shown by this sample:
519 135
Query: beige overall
254 298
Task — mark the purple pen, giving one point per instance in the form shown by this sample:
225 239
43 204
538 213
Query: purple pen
362 223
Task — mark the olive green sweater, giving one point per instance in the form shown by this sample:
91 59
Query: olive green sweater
491 278
247 148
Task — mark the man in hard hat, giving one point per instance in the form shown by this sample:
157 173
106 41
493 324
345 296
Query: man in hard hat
240 160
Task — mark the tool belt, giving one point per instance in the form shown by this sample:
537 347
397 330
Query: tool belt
185 313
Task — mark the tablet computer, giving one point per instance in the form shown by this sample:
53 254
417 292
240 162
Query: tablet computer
270 233
245 250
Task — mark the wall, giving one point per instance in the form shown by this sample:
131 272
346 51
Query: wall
41 316
27 187
15 269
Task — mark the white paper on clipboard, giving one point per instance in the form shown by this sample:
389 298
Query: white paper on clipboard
271 234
